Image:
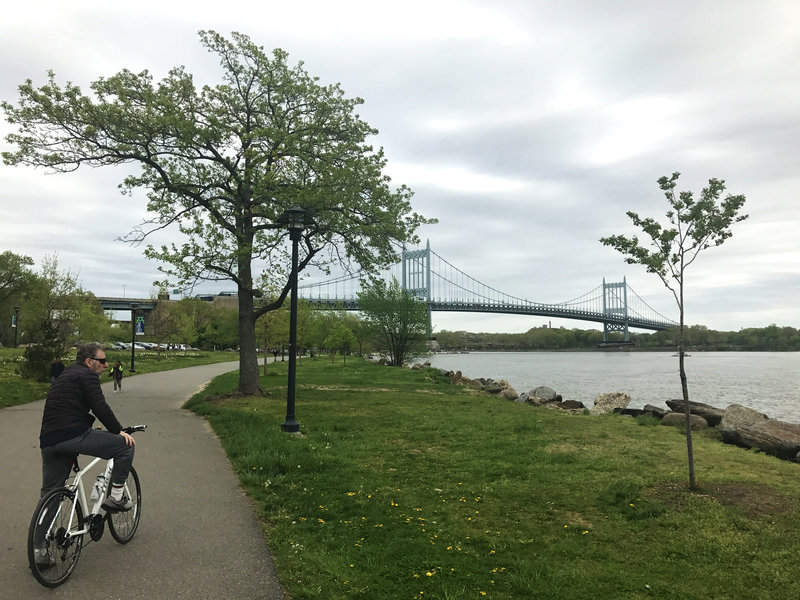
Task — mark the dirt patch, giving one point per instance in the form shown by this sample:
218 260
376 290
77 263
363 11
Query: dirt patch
219 398
754 500
344 388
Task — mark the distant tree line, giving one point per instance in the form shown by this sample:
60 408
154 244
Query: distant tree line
698 337
46 312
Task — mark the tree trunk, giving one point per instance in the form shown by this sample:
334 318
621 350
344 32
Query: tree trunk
685 390
248 358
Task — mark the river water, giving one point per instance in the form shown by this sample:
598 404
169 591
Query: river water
765 381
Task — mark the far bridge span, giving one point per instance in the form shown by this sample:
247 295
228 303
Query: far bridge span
446 288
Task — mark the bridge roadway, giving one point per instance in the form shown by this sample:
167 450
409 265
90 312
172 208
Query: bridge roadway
542 310
110 303
199 536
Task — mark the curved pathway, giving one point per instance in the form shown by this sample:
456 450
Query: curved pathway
199 537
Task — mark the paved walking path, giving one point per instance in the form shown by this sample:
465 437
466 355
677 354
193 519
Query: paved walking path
198 538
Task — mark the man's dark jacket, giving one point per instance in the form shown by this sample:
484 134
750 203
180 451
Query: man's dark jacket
66 410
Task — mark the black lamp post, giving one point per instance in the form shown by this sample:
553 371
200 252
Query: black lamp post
134 306
295 222
16 325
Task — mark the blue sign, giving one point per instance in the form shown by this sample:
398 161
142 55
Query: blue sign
139 325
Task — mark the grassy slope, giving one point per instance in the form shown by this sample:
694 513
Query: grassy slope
403 486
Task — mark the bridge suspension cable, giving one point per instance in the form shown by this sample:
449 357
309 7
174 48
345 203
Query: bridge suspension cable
445 287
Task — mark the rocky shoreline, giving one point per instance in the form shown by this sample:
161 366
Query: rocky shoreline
739 425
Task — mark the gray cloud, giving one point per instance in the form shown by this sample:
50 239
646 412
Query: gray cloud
526 128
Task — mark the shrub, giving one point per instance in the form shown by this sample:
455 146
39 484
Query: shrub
38 358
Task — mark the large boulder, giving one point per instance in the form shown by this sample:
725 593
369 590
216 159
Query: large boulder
542 395
543 392
676 419
509 393
749 428
711 414
606 403
737 416
470 383
494 386
572 406
655 411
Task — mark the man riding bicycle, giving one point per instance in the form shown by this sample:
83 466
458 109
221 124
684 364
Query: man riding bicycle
67 428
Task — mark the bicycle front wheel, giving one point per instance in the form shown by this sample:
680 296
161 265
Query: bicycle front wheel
52 551
123 525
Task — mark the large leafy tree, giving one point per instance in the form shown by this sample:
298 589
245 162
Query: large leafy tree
16 279
222 163
58 312
15 274
693 225
398 319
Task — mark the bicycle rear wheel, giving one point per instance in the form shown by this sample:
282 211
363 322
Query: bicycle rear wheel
52 553
123 525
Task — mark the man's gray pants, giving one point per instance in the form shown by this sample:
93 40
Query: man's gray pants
57 460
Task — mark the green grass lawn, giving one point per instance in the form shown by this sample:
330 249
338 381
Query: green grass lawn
16 390
402 486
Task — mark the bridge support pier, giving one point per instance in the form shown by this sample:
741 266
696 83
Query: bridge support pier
615 306
417 277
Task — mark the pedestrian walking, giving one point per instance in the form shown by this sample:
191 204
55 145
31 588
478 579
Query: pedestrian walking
56 369
116 373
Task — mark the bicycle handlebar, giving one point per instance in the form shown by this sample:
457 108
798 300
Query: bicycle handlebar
133 428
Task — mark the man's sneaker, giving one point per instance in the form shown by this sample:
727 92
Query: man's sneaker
112 505
43 558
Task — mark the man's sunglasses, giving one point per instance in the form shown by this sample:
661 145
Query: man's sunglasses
100 360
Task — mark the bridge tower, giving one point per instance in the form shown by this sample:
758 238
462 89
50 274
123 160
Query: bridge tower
615 304
417 277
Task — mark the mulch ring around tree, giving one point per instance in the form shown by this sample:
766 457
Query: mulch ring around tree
753 500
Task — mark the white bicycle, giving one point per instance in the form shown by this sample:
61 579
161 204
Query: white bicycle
63 517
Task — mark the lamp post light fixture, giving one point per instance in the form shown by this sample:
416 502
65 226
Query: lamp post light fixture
294 218
16 325
134 306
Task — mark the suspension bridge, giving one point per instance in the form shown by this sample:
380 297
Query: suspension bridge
444 287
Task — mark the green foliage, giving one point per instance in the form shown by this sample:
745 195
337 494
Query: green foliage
15 281
398 320
222 163
693 226
38 358
340 339
400 485
697 337
647 420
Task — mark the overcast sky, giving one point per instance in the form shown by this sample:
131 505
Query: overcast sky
527 127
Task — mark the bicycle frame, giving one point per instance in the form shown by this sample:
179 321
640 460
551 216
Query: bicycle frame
78 489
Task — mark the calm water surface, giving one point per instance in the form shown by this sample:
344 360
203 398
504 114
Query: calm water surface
765 381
